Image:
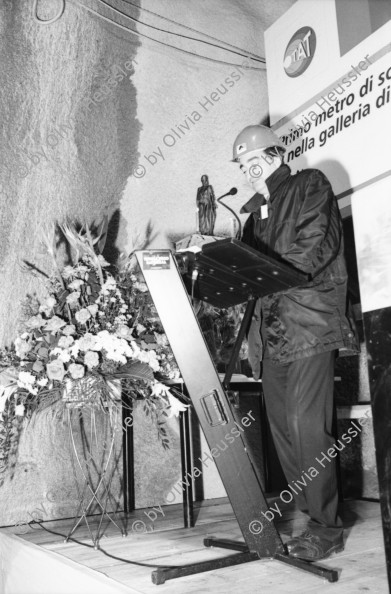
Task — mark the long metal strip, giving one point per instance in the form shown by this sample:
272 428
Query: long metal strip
222 432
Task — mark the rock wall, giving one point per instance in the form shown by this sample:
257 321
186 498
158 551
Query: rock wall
87 110
191 110
69 139
69 136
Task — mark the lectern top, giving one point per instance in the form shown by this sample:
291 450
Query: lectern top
229 271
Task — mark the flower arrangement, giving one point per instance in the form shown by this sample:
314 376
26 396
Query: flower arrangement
97 326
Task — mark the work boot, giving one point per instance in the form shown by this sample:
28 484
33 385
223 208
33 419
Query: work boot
310 547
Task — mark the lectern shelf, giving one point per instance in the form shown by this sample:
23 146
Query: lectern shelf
229 271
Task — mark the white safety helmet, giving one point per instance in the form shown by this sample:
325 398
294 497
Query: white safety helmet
252 138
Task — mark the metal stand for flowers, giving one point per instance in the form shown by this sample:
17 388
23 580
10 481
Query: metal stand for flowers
92 462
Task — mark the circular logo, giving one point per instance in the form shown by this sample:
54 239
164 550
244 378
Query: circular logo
299 52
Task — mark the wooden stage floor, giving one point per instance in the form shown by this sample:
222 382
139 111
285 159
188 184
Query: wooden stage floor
165 542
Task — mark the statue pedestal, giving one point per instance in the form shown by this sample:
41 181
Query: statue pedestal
195 240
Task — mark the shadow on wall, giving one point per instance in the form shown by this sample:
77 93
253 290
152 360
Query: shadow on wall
69 142
70 134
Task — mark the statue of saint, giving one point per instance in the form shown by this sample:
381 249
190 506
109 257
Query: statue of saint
206 205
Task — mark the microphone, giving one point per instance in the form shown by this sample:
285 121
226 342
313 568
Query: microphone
232 192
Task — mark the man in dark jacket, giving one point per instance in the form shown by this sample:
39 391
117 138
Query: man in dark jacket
296 218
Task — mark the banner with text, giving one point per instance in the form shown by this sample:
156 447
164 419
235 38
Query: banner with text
329 81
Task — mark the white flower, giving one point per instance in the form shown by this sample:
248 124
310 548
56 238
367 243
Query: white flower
174 374
48 305
124 347
103 338
176 406
64 356
76 371
19 410
160 390
91 359
50 302
88 342
149 357
55 324
75 284
82 269
119 321
83 315
26 381
65 341
67 272
73 298
140 328
124 332
70 329
93 309
25 377
109 285
75 348
116 356
55 370
43 381
102 261
35 322
22 347
161 339
135 348
117 349
141 287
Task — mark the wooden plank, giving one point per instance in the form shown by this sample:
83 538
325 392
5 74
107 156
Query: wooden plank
362 564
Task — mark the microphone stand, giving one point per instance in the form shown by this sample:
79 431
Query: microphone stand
230 193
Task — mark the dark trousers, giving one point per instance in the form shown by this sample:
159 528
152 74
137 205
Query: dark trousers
299 404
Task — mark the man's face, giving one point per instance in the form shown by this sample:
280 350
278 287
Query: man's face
257 166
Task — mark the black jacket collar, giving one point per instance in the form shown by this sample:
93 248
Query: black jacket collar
274 181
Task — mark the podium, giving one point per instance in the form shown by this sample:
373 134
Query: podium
224 273
229 271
